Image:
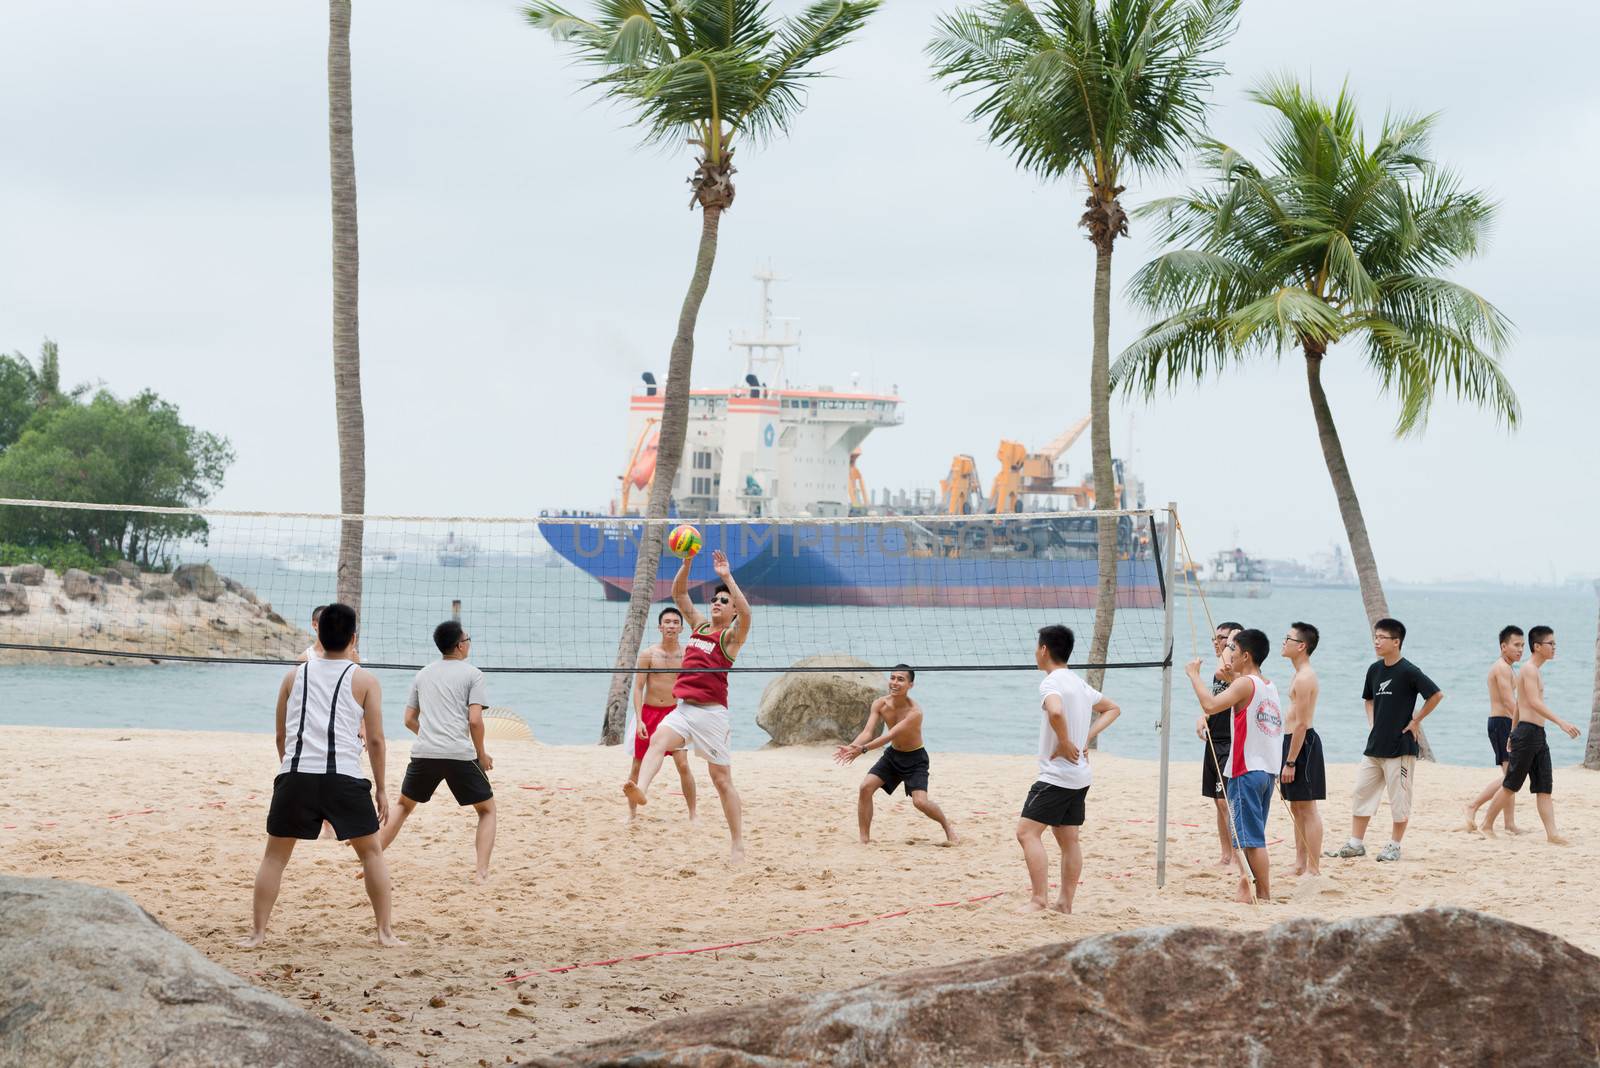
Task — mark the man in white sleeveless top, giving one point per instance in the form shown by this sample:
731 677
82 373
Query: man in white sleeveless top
323 706
1257 753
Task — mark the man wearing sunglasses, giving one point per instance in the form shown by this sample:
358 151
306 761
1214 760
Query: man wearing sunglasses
700 722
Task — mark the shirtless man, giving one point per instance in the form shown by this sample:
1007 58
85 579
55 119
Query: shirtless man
314 650
1502 711
1529 750
904 759
1217 732
1303 780
701 718
652 700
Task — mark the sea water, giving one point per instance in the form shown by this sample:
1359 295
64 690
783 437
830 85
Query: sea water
1452 638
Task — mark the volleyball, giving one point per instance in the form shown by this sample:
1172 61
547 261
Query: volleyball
684 541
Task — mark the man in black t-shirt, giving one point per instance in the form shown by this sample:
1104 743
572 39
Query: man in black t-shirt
1389 761
1217 734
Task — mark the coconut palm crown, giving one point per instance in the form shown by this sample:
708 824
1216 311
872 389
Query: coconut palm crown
1333 240
705 73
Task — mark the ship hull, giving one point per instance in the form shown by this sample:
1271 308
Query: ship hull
916 564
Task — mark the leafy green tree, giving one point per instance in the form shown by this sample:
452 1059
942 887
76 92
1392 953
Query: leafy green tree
110 451
712 74
1097 91
1332 246
19 386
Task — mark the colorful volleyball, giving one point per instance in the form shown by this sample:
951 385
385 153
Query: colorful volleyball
684 541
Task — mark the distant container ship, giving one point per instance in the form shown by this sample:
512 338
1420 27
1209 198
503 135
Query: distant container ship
754 454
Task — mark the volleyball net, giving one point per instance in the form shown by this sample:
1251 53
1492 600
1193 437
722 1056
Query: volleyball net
549 593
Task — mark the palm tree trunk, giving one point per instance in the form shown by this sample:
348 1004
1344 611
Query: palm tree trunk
1344 490
346 323
1591 751
1105 482
674 428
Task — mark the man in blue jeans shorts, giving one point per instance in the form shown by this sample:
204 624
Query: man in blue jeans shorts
1257 752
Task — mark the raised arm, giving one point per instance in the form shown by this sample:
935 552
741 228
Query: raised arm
741 625
1238 691
372 720
680 596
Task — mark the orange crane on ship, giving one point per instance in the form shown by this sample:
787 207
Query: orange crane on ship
1021 472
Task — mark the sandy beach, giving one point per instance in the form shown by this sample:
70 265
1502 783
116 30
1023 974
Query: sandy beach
176 820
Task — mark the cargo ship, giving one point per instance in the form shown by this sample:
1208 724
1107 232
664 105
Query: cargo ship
756 453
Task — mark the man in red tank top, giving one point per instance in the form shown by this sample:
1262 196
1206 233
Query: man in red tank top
700 722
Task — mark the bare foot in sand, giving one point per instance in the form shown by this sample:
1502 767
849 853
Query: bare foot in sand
387 938
1031 907
1062 907
951 838
480 876
635 794
1556 839
252 940
1226 864
736 855
1513 829
1472 819
1243 896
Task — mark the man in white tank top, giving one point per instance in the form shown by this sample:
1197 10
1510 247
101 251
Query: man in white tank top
1257 753
324 706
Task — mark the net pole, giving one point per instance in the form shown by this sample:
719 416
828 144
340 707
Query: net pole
1166 691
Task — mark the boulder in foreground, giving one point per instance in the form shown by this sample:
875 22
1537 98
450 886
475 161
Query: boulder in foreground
90 978
1439 986
810 707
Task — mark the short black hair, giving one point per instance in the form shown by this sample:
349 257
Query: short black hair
1508 632
1254 642
1392 627
1230 627
1308 634
722 587
1058 640
447 635
911 673
663 613
337 627
1539 634
316 613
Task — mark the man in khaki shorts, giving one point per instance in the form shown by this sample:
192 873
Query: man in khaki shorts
1390 759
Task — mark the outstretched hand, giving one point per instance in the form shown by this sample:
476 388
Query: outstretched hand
719 563
844 754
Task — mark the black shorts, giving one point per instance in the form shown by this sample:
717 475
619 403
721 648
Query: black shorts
1212 784
896 767
1530 761
468 784
1499 735
301 801
1310 775
1055 805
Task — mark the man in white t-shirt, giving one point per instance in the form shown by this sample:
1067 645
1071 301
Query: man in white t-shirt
1074 712
445 711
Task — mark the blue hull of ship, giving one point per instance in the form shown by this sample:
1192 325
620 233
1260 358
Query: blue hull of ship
868 564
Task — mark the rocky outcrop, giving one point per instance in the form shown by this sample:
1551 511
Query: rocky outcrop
91 978
1439 986
200 580
807 708
28 574
151 615
111 576
82 586
127 569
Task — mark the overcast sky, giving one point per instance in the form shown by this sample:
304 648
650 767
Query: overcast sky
164 217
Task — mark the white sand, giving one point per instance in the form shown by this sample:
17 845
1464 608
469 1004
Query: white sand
572 883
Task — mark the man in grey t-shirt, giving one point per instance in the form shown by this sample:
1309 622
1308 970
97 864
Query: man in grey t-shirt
445 711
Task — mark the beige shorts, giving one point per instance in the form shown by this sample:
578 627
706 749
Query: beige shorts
704 728
1375 775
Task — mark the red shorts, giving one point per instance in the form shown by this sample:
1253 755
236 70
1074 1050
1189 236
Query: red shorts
652 716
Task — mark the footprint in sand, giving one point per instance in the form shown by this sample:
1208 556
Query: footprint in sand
1316 886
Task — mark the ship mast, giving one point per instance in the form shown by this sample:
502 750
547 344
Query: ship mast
764 350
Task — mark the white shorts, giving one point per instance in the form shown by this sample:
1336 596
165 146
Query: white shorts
1374 775
705 728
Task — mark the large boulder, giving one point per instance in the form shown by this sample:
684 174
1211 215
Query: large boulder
90 978
111 576
82 586
809 707
13 600
198 579
1440 986
28 574
127 569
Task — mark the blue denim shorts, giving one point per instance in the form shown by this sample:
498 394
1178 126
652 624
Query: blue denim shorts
1250 795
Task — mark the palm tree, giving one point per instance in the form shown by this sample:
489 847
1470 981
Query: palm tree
1591 750
1080 89
1336 241
346 323
707 73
